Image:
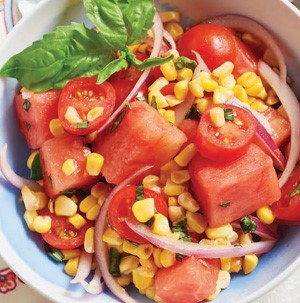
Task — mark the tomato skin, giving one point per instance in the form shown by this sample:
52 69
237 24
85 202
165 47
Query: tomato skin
208 136
287 209
121 208
76 94
73 237
168 89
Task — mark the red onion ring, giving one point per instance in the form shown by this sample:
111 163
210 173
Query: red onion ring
84 267
101 251
158 40
169 39
263 230
182 109
201 65
292 108
11 176
196 249
95 286
249 25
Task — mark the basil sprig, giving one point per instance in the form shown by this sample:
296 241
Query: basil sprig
74 50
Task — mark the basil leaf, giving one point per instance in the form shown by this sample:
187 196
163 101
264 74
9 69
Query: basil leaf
54 253
36 171
182 229
185 62
114 262
68 52
248 225
139 193
225 204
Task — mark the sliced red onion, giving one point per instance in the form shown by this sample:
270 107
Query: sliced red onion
11 176
158 40
95 286
246 24
182 109
101 251
292 108
263 230
84 267
201 67
263 131
169 39
196 249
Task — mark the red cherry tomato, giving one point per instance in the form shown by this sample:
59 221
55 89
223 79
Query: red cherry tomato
63 235
81 95
287 209
217 44
228 142
121 208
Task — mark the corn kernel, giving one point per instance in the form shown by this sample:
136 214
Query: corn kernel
272 98
247 79
172 201
222 94
223 70
160 100
213 296
186 155
72 115
202 104
180 176
257 89
70 253
245 238
167 258
71 266
89 240
33 200
144 210
94 113
217 116
184 74
197 222
223 279
90 138
175 30
169 71
249 263
29 216
139 279
160 225
143 48
69 167
228 81
222 231
170 16
181 89
265 215
240 92
158 84
156 256
231 264
151 292
151 182
176 213
94 164
56 128
65 206
87 203
149 263
170 116
41 224
187 201
31 158
207 82
124 280
172 100
169 166
111 237
128 264
93 212
173 189
196 88
77 221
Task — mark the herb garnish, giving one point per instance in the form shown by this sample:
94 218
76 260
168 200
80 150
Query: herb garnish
153 102
180 227
84 124
248 225
225 204
228 114
53 253
139 193
193 114
114 262
296 191
185 62
36 171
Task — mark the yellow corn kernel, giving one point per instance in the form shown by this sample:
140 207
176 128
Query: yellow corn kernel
128 264
272 98
93 212
249 263
31 158
156 256
195 221
181 89
186 155
172 201
196 88
240 92
232 237
269 58
207 82
172 100
94 163
231 264
225 263
282 112
217 116
41 224
173 189
176 213
228 81
222 94
111 237
257 90
124 280
180 176
65 206
72 115
245 238
160 225
222 231
213 296
223 279
247 79
71 266
149 263
144 209
175 30
170 16
202 104
143 48
94 113
77 221
33 200
167 258
134 47
56 128
151 182
140 280
187 201
223 70
158 84
184 74
169 71
160 100
69 167
151 292
161 111
70 253
89 240
265 215
87 203
29 216
90 138
144 251
169 166
170 116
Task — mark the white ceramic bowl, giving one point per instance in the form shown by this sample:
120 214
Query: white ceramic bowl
23 250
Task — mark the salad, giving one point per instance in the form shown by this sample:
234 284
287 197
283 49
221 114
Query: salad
157 151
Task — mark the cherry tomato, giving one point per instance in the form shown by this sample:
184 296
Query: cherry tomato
78 98
288 207
63 235
217 44
230 141
121 208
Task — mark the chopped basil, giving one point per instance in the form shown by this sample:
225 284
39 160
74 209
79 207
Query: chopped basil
180 257
296 191
185 62
82 124
248 225
228 114
69 192
225 204
114 262
180 227
193 114
26 105
118 120
139 193
53 253
236 244
36 171
28 125
153 102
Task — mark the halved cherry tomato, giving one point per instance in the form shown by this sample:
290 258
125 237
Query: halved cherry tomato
228 142
287 209
81 96
217 44
63 235
121 208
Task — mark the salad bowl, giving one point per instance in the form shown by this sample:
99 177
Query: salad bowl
24 251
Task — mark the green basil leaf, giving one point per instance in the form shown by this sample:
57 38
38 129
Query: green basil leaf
139 193
150 62
36 171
